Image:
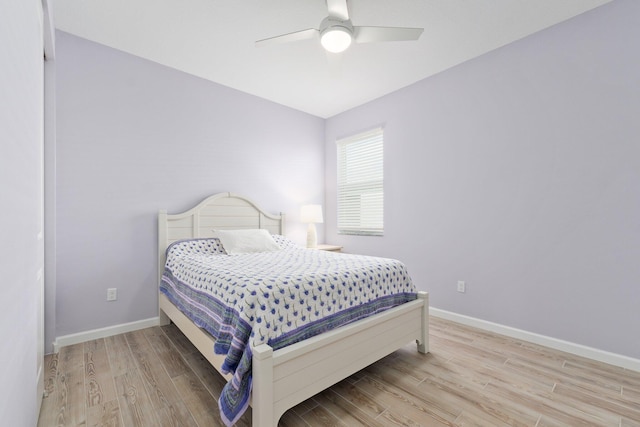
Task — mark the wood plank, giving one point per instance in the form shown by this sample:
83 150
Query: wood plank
135 405
173 363
548 422
156 381
404 388
120 358
631 393
349 413
407 406
304 407
358 398
604 374
321 417
97 374
50 406
629 423
70 387
211 378
555 409
477 400
105 414
202 406
471 417
291 419
176 415
605 403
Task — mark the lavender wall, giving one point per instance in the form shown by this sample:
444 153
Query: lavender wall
134 137
519 172
21 195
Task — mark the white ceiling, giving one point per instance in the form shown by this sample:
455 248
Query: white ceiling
214 39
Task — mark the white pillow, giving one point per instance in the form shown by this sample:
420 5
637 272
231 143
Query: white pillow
246 241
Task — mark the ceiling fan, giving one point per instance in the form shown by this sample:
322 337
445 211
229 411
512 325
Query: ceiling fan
337 32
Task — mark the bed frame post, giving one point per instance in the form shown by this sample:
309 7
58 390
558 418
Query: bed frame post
423 342
262 393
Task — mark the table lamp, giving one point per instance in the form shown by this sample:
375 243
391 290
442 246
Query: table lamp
311 214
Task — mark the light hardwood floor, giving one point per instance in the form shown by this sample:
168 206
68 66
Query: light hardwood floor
155 377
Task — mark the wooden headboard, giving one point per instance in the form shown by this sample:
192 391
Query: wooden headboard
220 211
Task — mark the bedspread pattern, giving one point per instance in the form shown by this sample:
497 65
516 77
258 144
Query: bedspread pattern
274 297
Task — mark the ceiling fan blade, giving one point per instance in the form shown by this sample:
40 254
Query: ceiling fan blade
338 9
385 34
287 38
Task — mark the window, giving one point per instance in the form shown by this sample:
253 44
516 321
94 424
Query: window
360 184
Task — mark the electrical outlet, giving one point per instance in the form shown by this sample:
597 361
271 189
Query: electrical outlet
112 294
462 287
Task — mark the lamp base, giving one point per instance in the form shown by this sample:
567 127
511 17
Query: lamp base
312 236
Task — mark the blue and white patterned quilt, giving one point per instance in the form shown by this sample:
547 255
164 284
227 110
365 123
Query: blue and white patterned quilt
276 298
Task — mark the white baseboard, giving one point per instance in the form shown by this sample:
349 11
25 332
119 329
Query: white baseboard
566 346
103 332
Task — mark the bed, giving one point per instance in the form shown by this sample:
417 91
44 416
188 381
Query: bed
282 377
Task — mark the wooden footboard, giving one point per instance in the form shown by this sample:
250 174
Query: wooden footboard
286 377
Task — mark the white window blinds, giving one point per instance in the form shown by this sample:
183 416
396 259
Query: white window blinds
360 184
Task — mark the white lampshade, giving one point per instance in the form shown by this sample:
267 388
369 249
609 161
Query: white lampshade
311 214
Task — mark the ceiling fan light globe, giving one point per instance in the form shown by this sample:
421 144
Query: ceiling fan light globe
336 39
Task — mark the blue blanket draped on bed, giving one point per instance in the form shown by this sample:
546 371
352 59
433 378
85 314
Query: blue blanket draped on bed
276 298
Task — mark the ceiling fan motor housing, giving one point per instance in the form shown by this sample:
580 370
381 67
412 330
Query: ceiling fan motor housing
336 35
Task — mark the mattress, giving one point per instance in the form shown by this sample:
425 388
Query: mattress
277 298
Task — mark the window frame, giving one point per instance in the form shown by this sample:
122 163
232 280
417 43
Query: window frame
360 177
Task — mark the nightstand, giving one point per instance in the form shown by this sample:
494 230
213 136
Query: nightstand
330 248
